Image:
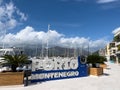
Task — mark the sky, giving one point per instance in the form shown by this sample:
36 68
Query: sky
72 23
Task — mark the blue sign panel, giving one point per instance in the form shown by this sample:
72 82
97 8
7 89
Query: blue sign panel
61 70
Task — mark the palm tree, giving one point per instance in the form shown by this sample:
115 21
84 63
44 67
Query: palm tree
15 60
93 59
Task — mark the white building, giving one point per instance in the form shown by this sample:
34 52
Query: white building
113 48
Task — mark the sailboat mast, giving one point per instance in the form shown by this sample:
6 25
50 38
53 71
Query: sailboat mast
4 39
42 49
47 41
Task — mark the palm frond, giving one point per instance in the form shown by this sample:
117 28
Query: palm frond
15 60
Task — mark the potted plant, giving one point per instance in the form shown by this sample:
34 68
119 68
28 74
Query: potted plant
13 77
15 60
102 62
95 61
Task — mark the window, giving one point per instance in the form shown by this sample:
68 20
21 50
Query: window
114 51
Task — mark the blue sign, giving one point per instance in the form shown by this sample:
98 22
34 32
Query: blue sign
61 70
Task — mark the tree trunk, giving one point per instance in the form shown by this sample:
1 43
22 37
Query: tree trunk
14 68
94 65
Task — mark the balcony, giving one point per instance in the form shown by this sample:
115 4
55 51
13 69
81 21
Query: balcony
113 48
117 38
112 45
113 54
118 52
117 43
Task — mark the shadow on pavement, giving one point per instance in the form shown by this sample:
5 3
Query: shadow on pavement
106 74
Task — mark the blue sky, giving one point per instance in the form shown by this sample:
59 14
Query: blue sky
84 20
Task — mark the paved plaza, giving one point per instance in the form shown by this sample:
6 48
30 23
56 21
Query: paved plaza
109 81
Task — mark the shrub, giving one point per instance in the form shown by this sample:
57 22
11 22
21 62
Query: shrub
15 60
95 59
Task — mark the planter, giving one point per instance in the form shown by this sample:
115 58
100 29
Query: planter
104 66
96 71
11 78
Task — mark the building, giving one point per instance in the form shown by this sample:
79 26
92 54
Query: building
101 52
113 48
107 51
117 44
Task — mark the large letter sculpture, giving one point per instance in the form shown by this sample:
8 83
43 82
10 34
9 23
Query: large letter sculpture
60 69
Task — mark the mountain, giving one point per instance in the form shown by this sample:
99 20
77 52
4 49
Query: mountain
54 51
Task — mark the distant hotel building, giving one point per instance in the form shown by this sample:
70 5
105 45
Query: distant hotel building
112 50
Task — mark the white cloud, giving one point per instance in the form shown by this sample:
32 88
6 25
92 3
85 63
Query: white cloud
9 16
2 26
11 23
98 43
74 41
116 30
22 15
106 1
29 35
9 10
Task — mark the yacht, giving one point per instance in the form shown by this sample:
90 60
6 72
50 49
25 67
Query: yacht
8 51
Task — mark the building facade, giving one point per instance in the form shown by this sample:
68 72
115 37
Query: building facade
112 52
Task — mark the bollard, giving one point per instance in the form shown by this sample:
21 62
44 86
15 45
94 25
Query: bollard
26 75
26 81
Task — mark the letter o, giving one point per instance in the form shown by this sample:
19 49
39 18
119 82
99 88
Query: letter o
73 64
48 65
